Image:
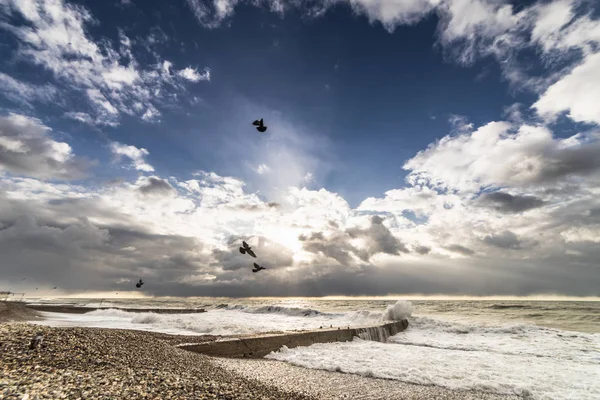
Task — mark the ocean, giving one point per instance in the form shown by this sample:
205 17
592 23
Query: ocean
535 349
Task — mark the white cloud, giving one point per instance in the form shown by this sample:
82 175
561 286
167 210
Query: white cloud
26 93
26 148
471 29
500 154
137 156
79 116
56 39
507 200
578 93
191 74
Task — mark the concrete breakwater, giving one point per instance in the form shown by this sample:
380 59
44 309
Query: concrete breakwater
82 310
260 346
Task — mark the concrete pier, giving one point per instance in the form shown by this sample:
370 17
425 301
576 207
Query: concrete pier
260 346
83 310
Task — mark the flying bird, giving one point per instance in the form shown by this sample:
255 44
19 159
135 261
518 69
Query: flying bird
247 249
139 284
260 125
55 287
257 268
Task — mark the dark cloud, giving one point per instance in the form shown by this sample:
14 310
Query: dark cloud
336 246
269 254
422 250
378 239
84 256
580 160
27 149
491 277
156 186
508 203
504 240
457 248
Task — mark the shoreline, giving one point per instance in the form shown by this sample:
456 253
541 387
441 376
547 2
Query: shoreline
97 363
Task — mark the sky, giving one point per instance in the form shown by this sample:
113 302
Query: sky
434 147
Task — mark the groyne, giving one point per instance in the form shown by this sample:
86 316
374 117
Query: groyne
82 310
260 346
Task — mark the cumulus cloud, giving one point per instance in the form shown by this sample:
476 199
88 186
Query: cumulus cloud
577 92
56 38
500 154
154 185
137 156
362 242
499 208
26 148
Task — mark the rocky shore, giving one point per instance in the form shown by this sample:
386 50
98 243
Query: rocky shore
96 363
92 363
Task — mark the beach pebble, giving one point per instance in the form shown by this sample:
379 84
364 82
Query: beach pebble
94 363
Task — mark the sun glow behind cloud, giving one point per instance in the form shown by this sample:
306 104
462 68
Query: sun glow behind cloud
512 201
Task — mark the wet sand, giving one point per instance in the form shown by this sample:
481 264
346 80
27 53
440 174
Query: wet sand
13 311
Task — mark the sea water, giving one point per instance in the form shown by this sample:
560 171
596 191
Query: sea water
536 349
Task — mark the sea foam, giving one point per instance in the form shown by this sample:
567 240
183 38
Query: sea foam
521 359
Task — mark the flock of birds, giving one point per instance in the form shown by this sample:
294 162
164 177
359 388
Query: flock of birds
245 249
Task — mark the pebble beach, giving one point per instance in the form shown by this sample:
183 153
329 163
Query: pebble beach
98 363
93 363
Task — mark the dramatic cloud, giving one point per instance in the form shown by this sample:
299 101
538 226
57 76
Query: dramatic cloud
26 148
507 207
364 243
501 154
56 38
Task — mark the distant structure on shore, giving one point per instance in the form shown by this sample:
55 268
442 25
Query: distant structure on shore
6 295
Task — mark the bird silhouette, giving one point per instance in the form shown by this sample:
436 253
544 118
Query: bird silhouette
247 249
260 125
139 284
257 268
